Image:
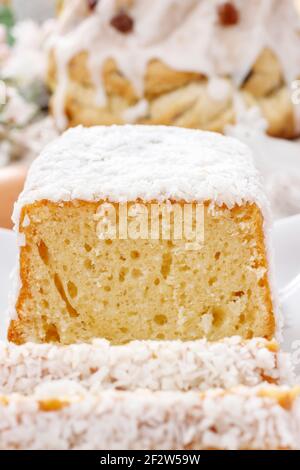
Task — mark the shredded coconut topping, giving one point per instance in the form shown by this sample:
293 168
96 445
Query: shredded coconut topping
244 418
153 365
125 163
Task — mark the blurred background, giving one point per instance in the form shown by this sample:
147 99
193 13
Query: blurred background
38 9
28 78
24 127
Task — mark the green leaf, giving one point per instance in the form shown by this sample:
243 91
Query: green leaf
8 20
6 16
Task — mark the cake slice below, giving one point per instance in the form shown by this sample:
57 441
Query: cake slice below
153 365
263 418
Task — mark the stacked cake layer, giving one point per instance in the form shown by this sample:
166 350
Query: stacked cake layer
257 418
164 365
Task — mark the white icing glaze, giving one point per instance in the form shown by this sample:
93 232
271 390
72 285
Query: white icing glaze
297 112
184 35
125 163
219 89
135 112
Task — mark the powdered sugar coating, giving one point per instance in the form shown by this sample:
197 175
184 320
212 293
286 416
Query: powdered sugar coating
154 365
125 163
244 418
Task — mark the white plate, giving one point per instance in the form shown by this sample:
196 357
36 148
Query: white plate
279 163
286 238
